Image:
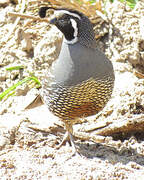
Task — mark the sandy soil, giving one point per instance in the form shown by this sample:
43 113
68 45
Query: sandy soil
28 138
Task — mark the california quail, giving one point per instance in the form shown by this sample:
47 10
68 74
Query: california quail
81 80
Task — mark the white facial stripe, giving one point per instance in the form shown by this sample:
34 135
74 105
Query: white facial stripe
74 25
58 13
75 39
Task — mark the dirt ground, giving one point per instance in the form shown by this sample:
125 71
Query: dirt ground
111 144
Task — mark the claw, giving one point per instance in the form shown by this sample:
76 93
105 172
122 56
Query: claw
69 136
65 138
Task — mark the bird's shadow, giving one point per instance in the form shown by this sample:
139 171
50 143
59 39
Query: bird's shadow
110 153
119 153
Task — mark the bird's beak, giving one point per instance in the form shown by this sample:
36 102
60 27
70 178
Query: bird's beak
53 21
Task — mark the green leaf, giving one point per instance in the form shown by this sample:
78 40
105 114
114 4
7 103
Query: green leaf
92 1
15 68
25 80
130 3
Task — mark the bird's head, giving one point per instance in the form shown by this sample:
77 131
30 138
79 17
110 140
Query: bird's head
73 24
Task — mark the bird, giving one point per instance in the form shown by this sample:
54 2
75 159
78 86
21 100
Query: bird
80 82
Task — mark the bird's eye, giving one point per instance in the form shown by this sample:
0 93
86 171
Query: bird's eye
62 20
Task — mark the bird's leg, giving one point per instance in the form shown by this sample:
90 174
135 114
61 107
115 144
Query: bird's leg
72 143
65 138
68 136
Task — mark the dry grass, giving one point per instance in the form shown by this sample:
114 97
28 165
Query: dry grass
83 6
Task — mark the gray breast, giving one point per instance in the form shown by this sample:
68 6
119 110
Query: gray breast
77 63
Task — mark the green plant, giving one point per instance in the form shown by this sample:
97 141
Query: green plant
130 3
28 80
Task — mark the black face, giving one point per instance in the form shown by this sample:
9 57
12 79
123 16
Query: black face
73 24
64 24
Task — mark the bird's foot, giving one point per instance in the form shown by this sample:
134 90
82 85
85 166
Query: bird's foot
65 138
69 136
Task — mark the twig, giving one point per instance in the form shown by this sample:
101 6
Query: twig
25 16
6 151
15 24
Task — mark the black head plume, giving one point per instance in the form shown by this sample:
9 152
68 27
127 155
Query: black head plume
42 11
74 25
